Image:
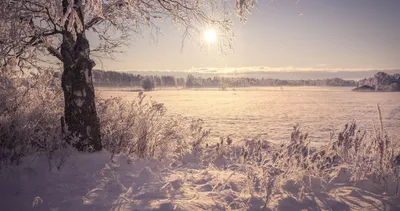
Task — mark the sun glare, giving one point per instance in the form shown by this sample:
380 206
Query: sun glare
210 35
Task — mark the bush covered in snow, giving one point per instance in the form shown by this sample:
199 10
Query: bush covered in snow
142 128
369 160
30 112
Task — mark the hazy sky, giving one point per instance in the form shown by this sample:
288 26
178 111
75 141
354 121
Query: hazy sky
286 34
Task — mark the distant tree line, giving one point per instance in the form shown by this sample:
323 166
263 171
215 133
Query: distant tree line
192 81
120 79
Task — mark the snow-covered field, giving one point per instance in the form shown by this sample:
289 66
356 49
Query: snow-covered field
271 112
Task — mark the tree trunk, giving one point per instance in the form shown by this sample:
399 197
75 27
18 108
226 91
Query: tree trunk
80 113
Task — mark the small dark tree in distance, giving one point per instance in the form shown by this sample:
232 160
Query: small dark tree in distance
148 84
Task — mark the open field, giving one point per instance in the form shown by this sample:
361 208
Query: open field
272 112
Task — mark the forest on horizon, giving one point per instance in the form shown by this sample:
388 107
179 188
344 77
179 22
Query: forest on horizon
122 79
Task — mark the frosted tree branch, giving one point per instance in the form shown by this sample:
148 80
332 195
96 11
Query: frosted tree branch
32 28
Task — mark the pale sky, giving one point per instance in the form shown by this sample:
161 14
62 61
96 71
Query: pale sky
285 35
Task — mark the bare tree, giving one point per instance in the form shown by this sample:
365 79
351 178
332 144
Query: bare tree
31 30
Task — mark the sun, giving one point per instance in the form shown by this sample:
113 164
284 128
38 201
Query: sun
210 35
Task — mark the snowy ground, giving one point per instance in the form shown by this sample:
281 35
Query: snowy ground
94 182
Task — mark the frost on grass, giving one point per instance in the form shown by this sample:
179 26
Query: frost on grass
142 129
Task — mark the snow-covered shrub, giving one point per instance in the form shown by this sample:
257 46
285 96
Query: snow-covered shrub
143 129
30 111
353 156
365 156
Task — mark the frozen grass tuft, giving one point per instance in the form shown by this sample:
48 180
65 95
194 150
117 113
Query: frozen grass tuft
142 129
353 158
